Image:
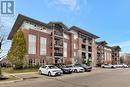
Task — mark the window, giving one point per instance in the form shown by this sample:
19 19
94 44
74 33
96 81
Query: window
74 54
75 36
30 61
74 46
41 61
32 44
43 46
65 49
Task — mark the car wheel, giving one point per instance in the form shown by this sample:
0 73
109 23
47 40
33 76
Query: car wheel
40 72
49 73
75 70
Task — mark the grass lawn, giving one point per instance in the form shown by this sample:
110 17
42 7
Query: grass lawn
11 70
10 78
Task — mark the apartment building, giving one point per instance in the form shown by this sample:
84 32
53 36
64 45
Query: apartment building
54 42
125 58
116 54
107 54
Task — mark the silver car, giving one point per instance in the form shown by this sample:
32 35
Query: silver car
107 66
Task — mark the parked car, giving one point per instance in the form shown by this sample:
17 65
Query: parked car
121 66
86 68
65 69
125 66
108 66
128 65
118 66
75 68
50 70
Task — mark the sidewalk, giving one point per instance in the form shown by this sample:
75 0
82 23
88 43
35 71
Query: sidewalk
20 76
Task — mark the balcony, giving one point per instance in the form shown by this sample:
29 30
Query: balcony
84 40
90 42
84 57
89 49
58 54
58 34
84 49
58 45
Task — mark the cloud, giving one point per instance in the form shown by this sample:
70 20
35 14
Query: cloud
71 4
125 46
6 23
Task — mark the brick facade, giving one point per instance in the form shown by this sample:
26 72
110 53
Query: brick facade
53 42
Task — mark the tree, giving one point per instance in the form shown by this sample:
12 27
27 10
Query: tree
121 60
18 50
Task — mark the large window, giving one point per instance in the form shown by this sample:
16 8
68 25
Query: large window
32 44
65 49
43 46
74 46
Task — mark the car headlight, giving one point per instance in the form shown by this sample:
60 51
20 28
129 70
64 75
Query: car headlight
70 69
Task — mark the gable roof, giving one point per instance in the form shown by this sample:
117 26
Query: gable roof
101 42
60 23
19 21
83 31
22 18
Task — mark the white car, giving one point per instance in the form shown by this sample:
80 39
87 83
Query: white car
50 70
108 66
121 66
76 68
125 66
118 66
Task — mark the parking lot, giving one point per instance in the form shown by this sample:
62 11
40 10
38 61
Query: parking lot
97 78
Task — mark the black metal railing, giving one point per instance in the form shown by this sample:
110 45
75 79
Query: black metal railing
58 54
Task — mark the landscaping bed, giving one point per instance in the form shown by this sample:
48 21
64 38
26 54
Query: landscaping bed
11 70
8 78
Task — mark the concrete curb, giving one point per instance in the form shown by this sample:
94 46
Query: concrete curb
20 73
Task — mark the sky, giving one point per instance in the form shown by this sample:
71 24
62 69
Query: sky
108 19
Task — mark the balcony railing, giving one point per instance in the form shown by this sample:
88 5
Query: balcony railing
84 49
58 54
84 57
90 42
58 45
89 50
57 33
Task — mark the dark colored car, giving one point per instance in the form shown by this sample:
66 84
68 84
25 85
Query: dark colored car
86 67
65 69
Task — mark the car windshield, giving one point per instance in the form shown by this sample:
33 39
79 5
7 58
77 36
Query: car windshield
84 65
52 67
68 66
64 66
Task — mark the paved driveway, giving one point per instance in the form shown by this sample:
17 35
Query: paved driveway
96 78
